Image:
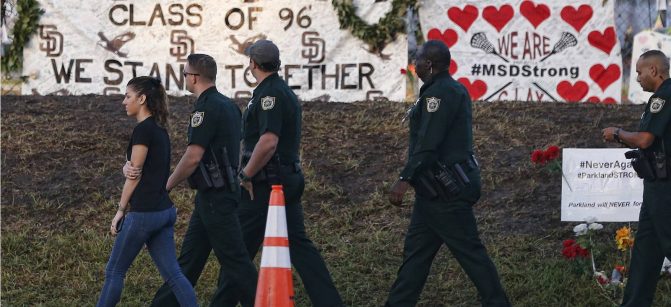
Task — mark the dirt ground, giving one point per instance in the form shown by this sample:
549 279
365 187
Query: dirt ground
69 151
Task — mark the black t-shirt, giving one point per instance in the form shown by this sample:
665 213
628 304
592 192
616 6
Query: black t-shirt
150 194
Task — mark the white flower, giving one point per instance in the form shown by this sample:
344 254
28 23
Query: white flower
666 267
590 219
580 229
595 226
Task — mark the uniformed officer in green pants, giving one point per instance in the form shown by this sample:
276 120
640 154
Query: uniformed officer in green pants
653 237
214 124
441 142
271 145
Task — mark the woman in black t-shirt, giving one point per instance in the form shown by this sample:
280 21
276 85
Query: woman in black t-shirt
145 210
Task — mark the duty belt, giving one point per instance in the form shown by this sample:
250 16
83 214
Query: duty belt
470 164
291 167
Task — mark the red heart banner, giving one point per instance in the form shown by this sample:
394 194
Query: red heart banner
453 67
604 77
475 89
449 36
464 18
498 18
572 92
605 42
577 18
535 14
607 100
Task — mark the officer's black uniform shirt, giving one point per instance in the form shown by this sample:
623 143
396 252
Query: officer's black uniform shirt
440 126
274 108
150 193
215 122
657 118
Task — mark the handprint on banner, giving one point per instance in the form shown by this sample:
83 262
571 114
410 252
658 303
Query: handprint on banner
51 40
114 45
183 45
240 47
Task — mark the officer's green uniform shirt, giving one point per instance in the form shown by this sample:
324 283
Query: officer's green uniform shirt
657 118
440 125
274 108
215 122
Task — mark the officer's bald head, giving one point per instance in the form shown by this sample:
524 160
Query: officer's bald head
657 59
437 53
652 68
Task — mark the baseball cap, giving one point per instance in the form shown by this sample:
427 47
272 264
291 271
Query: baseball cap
265 53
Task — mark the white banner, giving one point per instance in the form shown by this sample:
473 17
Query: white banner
599 183
563 50
95 47
644 41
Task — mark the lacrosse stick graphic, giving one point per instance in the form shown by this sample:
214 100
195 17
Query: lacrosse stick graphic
480 41
566 40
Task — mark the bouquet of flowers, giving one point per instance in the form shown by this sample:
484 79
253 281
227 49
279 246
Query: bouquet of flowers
409 72
548 158
583 246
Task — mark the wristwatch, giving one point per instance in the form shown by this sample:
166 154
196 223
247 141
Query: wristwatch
616 135
243 177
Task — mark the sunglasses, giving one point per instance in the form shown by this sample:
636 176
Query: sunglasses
188 73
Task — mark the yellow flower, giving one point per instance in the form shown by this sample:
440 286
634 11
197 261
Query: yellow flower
623 238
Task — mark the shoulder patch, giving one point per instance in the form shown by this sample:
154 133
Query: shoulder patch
197 119
656 105
432 104
267 102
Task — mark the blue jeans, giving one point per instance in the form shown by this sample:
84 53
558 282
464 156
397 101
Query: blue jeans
156 230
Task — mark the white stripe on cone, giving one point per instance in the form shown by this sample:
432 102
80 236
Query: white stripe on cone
276 224
275 257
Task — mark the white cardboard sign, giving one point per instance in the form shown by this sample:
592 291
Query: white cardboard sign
599 183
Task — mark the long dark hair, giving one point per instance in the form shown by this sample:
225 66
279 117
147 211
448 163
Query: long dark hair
157 99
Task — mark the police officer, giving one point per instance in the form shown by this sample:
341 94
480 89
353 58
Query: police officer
653 238
214 124
271 144
440 131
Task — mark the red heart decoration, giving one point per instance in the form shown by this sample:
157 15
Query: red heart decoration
605 41
595 99
476 89
498 18
604 77
572 92
453 67
535 14
577 18
464 18
449 37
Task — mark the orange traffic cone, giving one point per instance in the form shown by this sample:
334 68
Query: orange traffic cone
275 287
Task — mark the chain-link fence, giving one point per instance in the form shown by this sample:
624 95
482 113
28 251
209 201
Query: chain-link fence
632 17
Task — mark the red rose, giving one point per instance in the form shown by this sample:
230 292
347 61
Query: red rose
537 156
569 251
582 252
403 71
568 242
551 153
